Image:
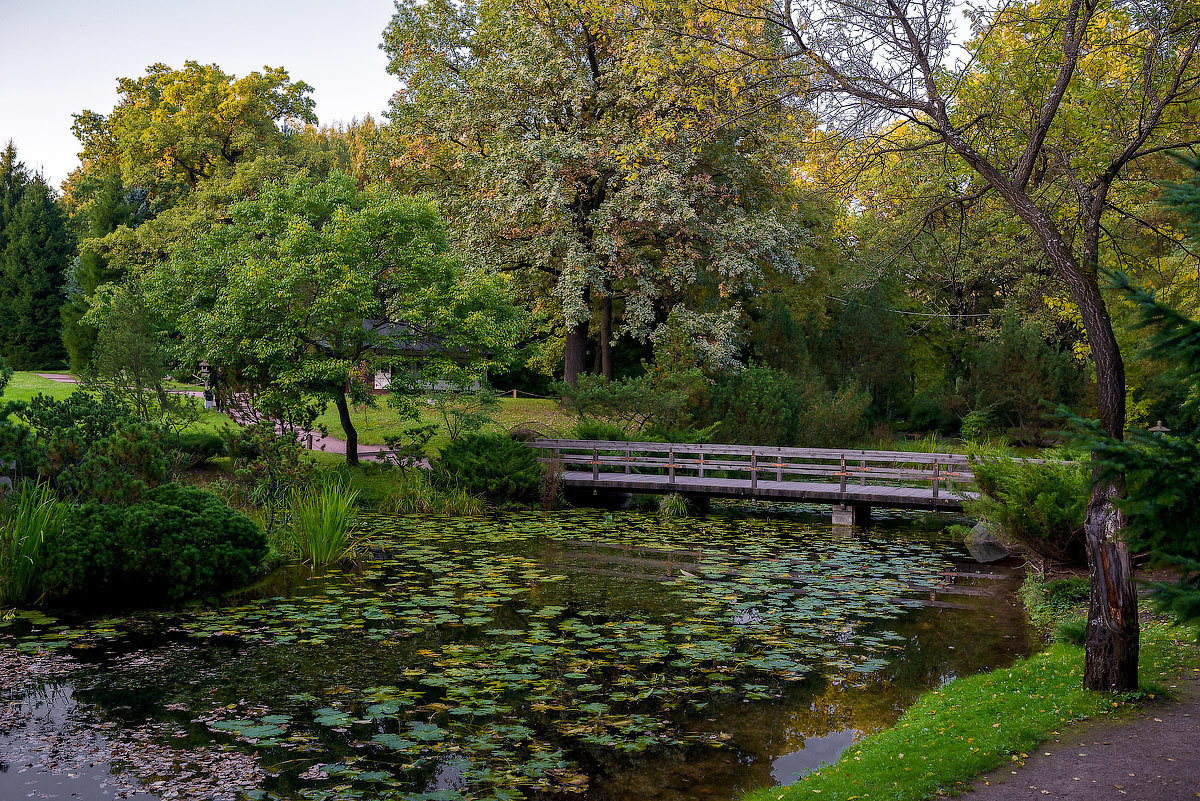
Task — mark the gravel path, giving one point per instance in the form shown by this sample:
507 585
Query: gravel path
1152 757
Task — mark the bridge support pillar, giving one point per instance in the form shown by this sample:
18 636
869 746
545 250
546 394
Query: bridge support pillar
851 514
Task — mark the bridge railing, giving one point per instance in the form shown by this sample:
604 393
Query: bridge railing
608 459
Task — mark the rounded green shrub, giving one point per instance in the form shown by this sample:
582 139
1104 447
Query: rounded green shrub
492 465
173 543
1039 504
200 446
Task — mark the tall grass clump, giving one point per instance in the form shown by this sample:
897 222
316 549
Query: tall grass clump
413 493
27 516
322 531
673 506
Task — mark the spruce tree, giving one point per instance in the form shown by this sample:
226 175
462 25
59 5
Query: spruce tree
1163 468
35 250
110 206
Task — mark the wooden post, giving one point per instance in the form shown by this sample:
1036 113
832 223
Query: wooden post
514 394
779 468
753 470
843 477
937 477
595 463
702 464
862 479
671 465
628 469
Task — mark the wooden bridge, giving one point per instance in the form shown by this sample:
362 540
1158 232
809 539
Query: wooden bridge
852 481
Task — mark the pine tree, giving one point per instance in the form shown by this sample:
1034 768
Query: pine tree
35 250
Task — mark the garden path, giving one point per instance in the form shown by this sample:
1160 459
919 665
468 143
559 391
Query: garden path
1152 757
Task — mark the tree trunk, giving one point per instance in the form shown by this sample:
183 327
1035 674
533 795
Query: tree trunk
1111 646
347 426
606 312
576 352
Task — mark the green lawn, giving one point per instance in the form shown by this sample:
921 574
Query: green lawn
972 725
26 385
374 424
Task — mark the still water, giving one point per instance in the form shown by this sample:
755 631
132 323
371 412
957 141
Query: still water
579 654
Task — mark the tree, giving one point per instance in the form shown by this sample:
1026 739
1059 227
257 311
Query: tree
598 191
35 250
109 207
131 362
311 285
172 129
1053 104
1163 469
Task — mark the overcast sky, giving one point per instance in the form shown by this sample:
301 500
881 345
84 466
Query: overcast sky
62 56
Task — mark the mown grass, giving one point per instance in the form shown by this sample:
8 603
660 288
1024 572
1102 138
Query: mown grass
381 421
973 725
27 385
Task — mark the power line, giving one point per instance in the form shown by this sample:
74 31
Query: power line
910 313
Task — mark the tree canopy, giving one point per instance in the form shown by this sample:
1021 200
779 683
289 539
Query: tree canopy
312 285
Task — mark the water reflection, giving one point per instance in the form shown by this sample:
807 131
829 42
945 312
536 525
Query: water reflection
573 651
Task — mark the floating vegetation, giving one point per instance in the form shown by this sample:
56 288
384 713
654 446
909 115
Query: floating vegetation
505 657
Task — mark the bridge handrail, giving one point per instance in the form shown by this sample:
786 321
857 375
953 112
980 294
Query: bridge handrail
912 457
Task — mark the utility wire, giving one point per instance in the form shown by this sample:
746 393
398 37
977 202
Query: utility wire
910 313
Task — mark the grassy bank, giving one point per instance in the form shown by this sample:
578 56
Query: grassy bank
972 725
374 424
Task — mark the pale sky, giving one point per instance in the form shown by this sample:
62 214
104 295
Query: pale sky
62 56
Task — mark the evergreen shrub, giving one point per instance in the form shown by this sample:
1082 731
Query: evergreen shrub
767 406
1040 505
492 465
201 446
175 542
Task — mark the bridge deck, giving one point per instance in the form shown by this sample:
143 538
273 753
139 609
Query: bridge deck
796 491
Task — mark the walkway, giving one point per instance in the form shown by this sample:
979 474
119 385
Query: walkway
1153 757
853 481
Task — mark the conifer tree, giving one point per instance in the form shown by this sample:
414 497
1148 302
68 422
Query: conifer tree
111 205
35 250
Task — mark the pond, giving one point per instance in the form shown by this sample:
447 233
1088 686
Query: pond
563 655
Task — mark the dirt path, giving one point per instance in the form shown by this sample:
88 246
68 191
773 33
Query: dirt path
1152 757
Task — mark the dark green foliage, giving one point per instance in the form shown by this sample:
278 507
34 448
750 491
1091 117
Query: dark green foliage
870 349
1162 471
269 461
1015 375
492 465
600 430
90 447
1039 505
1074 590
35 252
658 400
110 205
766 406
174 543
200 446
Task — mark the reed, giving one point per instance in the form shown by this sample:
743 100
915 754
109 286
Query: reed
27 515
414 494
673 506
322 532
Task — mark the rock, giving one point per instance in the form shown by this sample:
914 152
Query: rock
985 545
